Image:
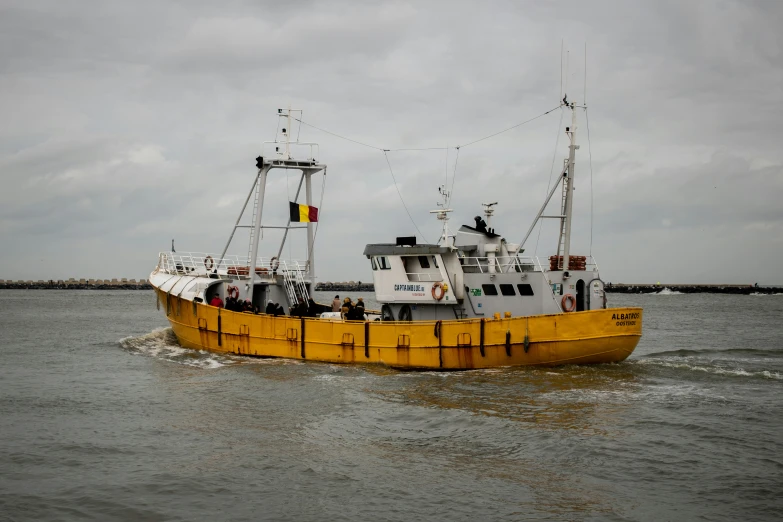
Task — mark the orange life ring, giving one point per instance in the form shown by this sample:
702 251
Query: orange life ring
233 291
568 298
438 291
209 262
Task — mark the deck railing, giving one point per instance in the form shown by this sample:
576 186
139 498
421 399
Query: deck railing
229 267
424 276
502 264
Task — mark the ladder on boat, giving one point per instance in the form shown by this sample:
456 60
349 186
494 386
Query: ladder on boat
561 239
252 225
295 285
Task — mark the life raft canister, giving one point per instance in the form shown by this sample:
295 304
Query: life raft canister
571 303
439 290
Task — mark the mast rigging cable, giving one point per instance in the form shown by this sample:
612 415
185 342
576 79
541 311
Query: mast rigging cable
590 155
458 147
400 194
551 170
382 149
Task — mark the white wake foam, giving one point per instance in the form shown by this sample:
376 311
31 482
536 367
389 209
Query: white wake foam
669 291
161 343
715 370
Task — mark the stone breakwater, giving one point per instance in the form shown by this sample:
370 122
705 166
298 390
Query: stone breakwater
77 284
623 288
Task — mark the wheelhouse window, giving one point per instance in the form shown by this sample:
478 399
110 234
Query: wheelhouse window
383 262
489 289
507 290
424 262
435 261
525 289
374 265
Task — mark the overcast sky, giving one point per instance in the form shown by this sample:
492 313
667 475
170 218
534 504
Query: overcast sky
127 124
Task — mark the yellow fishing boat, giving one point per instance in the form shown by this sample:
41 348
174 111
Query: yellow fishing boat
470 301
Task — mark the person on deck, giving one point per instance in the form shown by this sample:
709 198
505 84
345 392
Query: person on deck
347 309
270 308
303 308
312 308
359 310
216 301
279 310
336 304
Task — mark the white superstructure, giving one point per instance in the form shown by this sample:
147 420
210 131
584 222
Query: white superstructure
478 273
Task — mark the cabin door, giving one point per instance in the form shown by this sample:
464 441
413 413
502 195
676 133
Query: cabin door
580 296
260 296
596 299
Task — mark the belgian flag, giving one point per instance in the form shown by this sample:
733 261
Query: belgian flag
302 213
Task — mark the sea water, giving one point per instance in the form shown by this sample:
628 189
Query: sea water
104 417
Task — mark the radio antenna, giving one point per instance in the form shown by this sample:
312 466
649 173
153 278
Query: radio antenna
585 91
561 68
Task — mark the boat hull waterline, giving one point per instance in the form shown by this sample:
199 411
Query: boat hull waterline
589 337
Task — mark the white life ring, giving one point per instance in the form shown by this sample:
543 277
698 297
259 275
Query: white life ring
209 263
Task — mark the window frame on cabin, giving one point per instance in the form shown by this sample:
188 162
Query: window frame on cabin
383 262
493 292
528 289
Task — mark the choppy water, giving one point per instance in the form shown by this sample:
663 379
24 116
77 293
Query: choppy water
104 417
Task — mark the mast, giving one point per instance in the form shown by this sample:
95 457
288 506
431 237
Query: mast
310 252
287 134
281 159
569 181
446 239
263 169
488 211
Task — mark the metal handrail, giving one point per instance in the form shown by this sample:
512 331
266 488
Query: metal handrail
230 267
423 276
503 264
314 149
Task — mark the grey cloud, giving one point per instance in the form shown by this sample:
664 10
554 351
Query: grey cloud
127 124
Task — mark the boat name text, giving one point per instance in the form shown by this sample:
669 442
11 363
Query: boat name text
626 319
416 290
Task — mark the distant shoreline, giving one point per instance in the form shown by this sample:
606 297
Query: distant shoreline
122 284
691 289
622 288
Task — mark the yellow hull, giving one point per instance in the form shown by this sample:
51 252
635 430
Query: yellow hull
596 336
